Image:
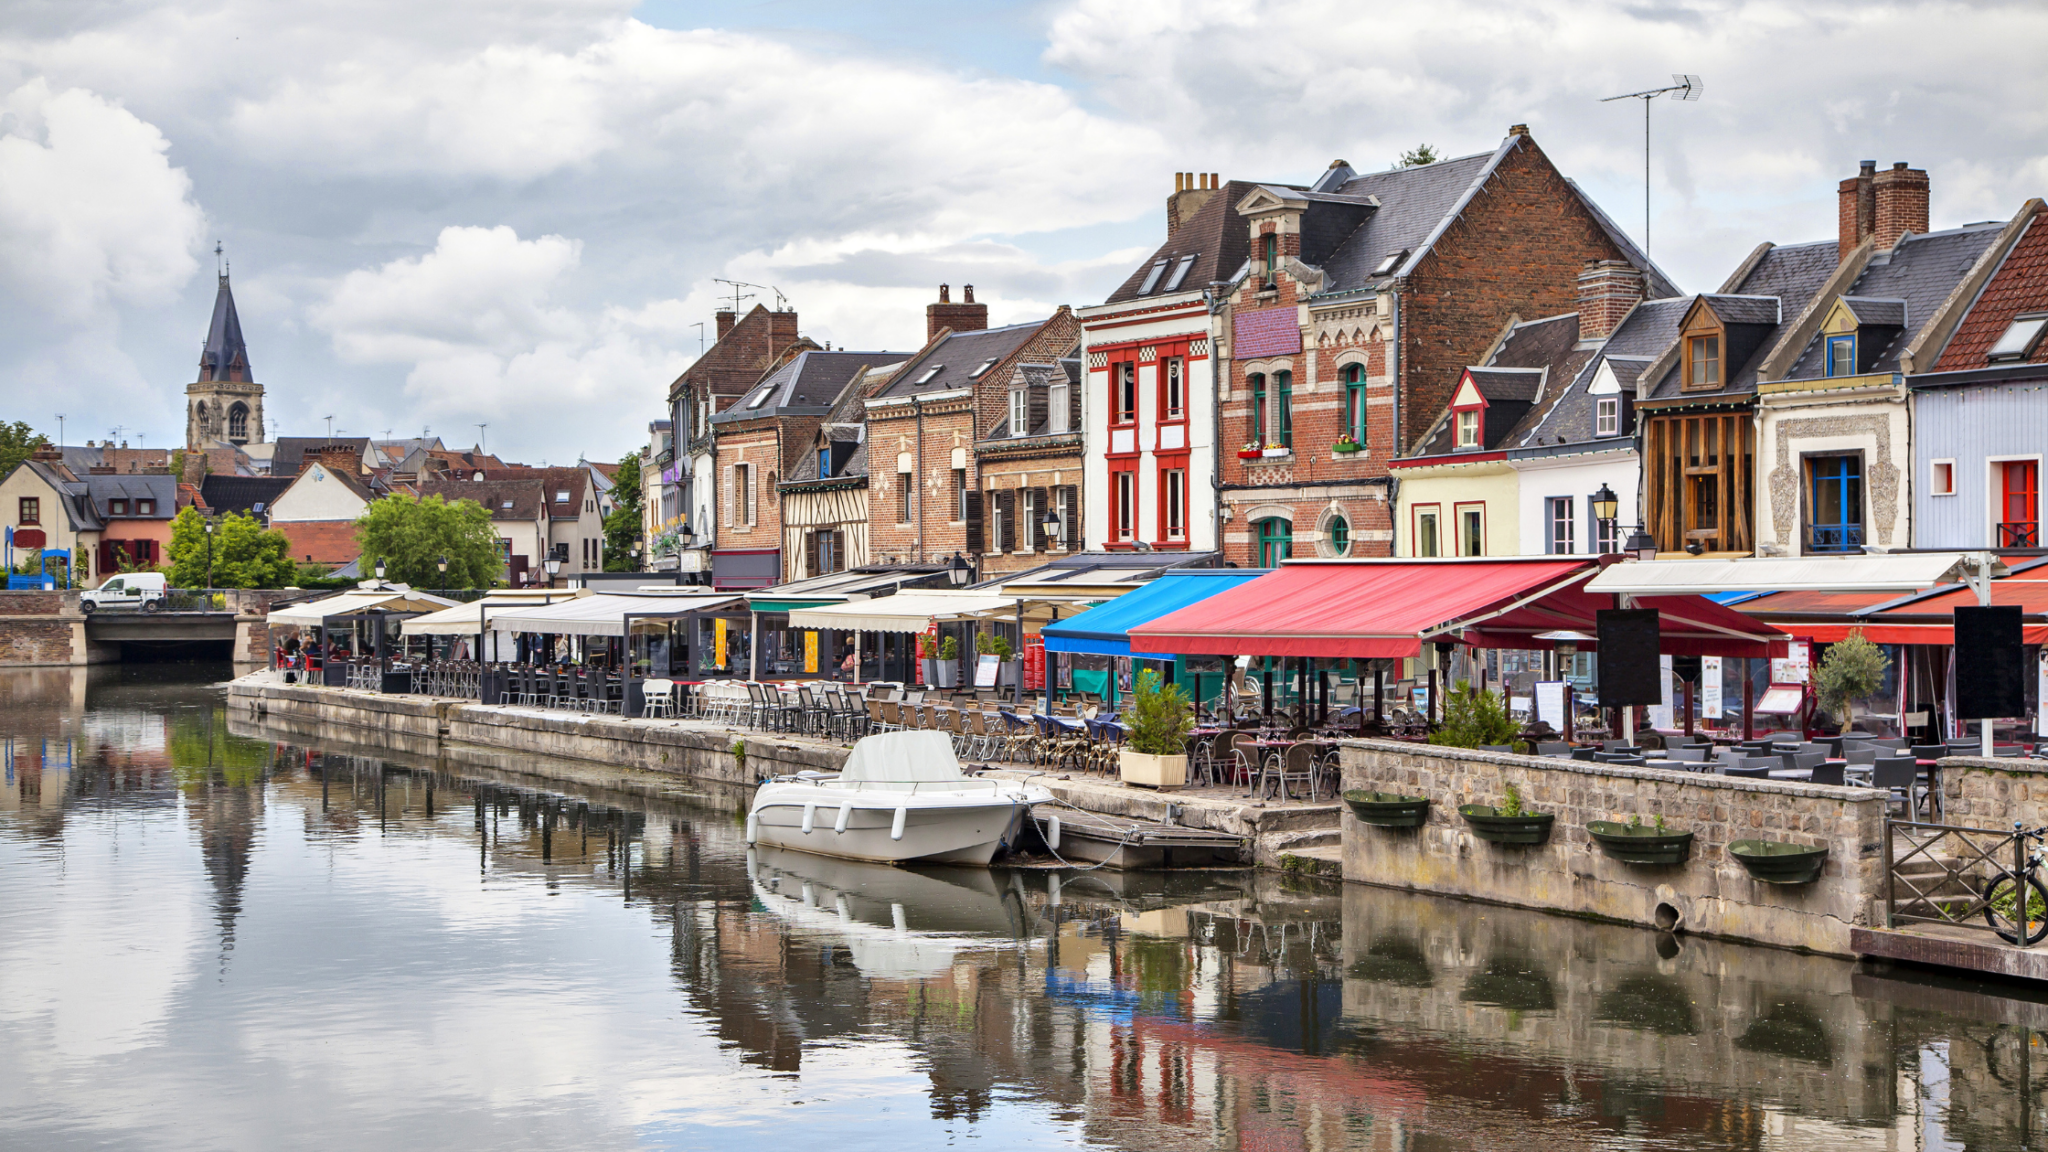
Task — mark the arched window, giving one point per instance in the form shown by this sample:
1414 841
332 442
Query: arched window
1258 383
1340 536
238 423
1354 401
1276 541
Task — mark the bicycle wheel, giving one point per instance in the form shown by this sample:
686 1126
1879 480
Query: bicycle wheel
2001 911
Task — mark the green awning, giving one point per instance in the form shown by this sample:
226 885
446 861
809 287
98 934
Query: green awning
765 605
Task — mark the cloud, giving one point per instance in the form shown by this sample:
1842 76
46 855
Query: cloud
90 209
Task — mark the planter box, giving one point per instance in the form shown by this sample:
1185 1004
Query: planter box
928 671
1152 771
1346 449
945 674
1272 452
1489 825
1386 809
1774 862
1640 844
1251 455
1006 672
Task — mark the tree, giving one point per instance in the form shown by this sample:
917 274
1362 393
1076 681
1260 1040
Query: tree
245 554
411 536
1473 719
1419 155
17 441
1852 669
622 527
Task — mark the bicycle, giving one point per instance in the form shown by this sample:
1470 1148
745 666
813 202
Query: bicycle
2001 896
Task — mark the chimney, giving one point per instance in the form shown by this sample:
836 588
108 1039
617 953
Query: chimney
966 316
1856 210
48 453
1607 290
781 331
342 458
1191 190
101 470
1901 207
726 319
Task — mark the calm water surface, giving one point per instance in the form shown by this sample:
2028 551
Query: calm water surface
215 934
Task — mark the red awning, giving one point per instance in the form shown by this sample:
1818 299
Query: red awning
1386 608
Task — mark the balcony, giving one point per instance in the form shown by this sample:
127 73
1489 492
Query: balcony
2019 534
1829 538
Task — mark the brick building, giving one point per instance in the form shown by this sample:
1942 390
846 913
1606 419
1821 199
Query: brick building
1362 299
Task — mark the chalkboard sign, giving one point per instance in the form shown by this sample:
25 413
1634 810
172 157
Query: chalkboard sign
1629 670
985 667
1991 670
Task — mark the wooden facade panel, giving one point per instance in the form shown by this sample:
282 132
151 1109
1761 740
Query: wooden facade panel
1698 467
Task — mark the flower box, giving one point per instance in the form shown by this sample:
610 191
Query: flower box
1151 771
1640 843
1775 862
1386 809
1346 447
1488 824
1248 454
1277 452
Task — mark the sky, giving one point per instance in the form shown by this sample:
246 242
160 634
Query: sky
515 213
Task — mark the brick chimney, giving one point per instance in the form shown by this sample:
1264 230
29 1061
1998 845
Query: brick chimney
782 331
726 319
966 316
48 453
1856 210
343 458
1901 196
1191 190
1607 290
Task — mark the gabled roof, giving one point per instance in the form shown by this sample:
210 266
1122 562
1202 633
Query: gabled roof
810 380
137 486
70 494
1649 329
955 360
507 499
574 480
1901 290
1793 274
226 356
1743 309
1519 381
1215 236
2018 288
1041 377
242 493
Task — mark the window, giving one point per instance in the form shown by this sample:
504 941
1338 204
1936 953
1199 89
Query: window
31 511
1472 531
1354 401
1030 518
1276 541
1126 501
1063 499
1258 383
1468 428
145 507
1842 355
1125 401
828 550
960 494
117 507
1152 277
1180 272
1834 503
2019 504
925 376
1340 536
1057 400
1269 255
824 462
1176 390
1426 543
985 366
1941 479
238 422
903 497
1175 482
1606 535
1285 380
562 497
1561 526
1703 362
1607 416
1020 412
2019 337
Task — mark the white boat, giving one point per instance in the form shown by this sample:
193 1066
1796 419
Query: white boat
895 923
900 797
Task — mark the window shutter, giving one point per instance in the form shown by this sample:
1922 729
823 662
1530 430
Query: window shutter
839 550
1070 513
726 510
976 542
1006 520
1038 510
811 554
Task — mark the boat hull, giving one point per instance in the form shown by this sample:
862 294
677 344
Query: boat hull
939 829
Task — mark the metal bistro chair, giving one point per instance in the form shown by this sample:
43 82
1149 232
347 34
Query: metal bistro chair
812 715
1295 764
1900 776
658 699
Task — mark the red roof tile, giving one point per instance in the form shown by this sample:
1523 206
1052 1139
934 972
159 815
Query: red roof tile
2021 285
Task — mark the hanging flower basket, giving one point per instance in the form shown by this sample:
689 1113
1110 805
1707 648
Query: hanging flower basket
1386 809
1640 843
1346 447
1776 862
1488 824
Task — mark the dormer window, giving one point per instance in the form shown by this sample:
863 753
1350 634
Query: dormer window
926 376
1020 412
824 462
1180 273
1269 255
1607 416
1152 277
1841 354
118 507
2020 337
1468 428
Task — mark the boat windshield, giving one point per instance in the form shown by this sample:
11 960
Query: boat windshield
902 757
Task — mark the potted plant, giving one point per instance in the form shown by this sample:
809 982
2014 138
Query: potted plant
1345 445
1276 450
1474 719
1508 823
1776 862
1250 451
948 663
998 645
1852 669
1639 843
1387 809
1155 750
927 660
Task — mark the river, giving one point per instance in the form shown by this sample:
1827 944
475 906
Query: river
219 935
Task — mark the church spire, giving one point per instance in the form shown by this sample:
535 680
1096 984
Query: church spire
225 357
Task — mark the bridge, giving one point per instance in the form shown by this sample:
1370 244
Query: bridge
46 628
109 627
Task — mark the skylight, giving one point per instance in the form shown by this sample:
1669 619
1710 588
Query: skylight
1387 266
1152 277
1180 272
2020 337
985 366
760 398
926 376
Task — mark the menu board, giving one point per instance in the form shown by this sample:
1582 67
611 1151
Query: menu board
718 642
811 653
1781 699
1550 705
1792 668
985 670
1710 687
1661 713
1034 661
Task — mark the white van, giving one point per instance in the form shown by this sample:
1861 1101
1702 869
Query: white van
142 591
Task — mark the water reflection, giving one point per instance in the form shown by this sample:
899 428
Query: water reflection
219 934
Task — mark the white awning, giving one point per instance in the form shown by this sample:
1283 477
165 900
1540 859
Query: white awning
1897 572
604 614
310 613
466 619
903 612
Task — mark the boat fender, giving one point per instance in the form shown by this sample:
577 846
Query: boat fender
1052 833
896 826
753 827
810 818
845 814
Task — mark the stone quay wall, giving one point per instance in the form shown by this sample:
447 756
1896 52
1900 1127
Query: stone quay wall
41 629
1980 792
1709 894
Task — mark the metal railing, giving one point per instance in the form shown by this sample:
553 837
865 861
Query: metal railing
1837 537
2019 534
1950 875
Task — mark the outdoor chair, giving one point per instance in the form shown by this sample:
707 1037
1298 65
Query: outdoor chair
1760 772
1900 776
658 698
1688 755
1825 773
811 714
1286 768
1584 752
1929 751
981 743
1553 748
1244 757
1860 755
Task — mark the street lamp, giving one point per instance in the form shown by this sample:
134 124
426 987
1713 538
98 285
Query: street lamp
1052 525
1641 545
380 569
957 571
637 542
553 564
209 556
443 566
1605 507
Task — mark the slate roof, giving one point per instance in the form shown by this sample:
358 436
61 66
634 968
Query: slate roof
523 496
1215 236
811 379
1793 273
1918 274
957 358
1646 332
242 493
1522 380
2019 286
71 493
225 356
1745 309
138 486
1885 313
290 454
1040 378
553 480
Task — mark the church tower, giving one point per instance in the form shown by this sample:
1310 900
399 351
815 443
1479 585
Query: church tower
225 405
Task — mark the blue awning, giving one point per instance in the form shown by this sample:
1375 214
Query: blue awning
1105 630
1726 598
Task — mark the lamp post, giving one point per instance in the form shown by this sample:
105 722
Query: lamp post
443 566
1053 524
638 542
554 565
1605 507
209 563
1640 545
957 571
380 569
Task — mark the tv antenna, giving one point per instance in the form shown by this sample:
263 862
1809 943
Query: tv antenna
480 441
1682 87
330 429
699 326
736 285
60 429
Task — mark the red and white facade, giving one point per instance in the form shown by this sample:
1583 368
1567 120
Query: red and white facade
1148 410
